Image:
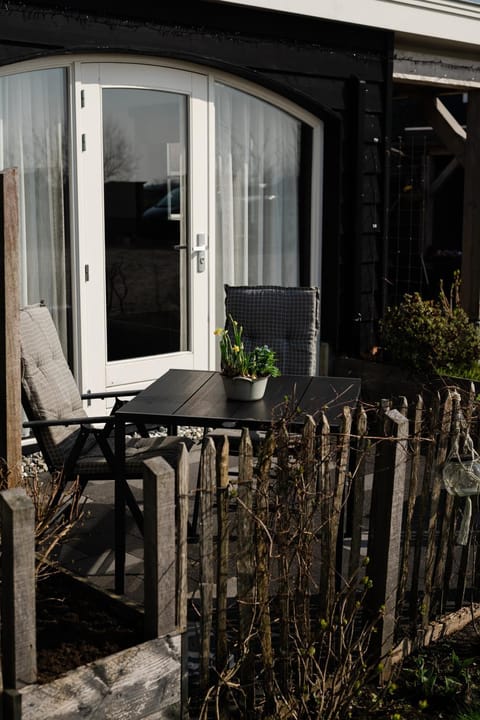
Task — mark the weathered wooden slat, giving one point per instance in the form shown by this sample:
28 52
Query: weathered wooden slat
423 504
469 404
462 569
327 552
431 550
141 682
263 553
446 540
17 597
342 468
305 509
182 537
10 380
471 422
246 569
385 526
207 559
160 550
416 446
358 491
222 559
283 561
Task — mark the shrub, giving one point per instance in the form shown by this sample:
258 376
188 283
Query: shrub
432 336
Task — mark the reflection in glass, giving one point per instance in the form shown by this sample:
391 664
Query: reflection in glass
144 150
257 148
33 138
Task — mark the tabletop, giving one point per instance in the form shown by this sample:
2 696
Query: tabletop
197 398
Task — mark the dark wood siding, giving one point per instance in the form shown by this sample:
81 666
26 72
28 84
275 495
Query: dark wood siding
339 72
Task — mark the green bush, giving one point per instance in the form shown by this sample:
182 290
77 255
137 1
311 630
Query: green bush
432 336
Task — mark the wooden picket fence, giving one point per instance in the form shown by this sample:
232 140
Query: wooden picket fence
317 524
317 551
143 681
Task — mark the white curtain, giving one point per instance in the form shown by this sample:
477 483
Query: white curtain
257 177
33 121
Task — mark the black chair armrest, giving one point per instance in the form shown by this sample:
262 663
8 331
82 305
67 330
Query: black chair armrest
67 421
109 394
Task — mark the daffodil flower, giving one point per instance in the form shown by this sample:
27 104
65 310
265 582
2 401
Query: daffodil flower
236 361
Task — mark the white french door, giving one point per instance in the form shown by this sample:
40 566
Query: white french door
142 222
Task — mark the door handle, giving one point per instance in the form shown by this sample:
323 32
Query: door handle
199 249
200 245
180 247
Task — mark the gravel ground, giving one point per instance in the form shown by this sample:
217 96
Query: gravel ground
34 464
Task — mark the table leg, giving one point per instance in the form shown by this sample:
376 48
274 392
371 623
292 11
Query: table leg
120 509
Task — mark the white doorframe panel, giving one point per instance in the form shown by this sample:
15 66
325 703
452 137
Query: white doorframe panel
96 372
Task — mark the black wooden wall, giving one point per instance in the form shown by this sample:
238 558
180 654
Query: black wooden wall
340 72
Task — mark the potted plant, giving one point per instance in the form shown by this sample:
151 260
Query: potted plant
245 373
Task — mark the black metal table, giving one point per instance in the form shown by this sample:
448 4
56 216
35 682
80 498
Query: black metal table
197 398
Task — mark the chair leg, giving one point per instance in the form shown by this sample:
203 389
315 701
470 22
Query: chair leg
120 528
133 506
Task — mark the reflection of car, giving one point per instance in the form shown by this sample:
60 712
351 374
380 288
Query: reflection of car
166 212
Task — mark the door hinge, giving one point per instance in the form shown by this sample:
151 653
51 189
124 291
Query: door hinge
84 142
87 273
82 98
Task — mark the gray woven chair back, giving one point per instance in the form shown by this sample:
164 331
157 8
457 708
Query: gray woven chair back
49 389
287 319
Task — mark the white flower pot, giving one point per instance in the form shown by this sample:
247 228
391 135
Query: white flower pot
246 389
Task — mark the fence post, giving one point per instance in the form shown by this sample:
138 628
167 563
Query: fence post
10 400
18 638
385 527
159 538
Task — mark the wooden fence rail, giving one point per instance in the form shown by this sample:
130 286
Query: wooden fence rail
317 516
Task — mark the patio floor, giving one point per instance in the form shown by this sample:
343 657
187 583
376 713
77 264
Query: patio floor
89 550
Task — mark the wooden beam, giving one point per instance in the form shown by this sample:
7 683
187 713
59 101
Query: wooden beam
142 681
444 175
159 539
470 289
449 131
10 395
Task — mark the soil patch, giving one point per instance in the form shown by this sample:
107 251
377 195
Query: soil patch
76 625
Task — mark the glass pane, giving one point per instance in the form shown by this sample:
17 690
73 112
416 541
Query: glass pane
257 191
33 137
144 147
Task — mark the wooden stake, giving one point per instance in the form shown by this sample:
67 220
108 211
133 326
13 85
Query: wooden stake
10 379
